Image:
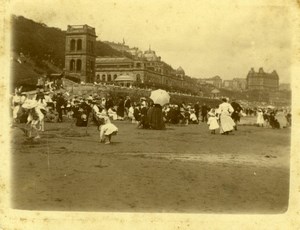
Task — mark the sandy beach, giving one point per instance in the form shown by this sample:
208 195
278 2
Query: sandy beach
181 169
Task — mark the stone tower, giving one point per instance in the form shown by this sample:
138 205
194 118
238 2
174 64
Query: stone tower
80 53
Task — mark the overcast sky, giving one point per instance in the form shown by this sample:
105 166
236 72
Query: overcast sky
206 38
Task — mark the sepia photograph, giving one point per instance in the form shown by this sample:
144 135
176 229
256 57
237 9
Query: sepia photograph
162 107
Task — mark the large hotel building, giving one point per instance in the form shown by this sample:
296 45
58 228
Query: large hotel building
262 81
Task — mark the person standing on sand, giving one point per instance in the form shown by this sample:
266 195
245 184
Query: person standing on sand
197 109
226 122
127 105
137 113
109 102
236 113
60 104
213 121
155 117
260 118
121 109
204 110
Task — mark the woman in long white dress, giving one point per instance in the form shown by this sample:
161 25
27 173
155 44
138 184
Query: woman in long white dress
35 117
41 110
226 122
260 118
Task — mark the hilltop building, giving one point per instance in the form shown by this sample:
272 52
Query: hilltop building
262 81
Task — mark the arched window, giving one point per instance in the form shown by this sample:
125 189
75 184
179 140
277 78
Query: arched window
72 45
103 77
138 77
79 44
115 76
108 77
98 77
72 65
78 65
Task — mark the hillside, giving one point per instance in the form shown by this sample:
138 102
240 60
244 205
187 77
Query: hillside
43 50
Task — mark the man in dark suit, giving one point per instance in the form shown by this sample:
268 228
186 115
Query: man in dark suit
109 102
60 104
236 113
127 104
204 110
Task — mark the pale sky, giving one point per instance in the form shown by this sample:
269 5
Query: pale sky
206 38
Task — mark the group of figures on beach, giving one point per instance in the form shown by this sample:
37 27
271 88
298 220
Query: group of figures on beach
34 110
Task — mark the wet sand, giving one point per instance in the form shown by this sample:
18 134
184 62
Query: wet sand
180 169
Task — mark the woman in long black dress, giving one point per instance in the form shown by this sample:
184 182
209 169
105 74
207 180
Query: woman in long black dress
121 109
155 117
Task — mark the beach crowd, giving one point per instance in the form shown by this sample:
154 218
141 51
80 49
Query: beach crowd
59 106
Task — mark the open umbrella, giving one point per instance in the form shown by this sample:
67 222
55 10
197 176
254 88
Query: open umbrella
160 97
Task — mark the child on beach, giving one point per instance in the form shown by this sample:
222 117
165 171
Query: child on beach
130 113
107 129
212 121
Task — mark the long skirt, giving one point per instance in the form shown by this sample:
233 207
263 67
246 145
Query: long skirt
155 117
213 123
226 123
120 111
260 119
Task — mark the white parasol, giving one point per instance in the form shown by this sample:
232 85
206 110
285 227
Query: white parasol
160 97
